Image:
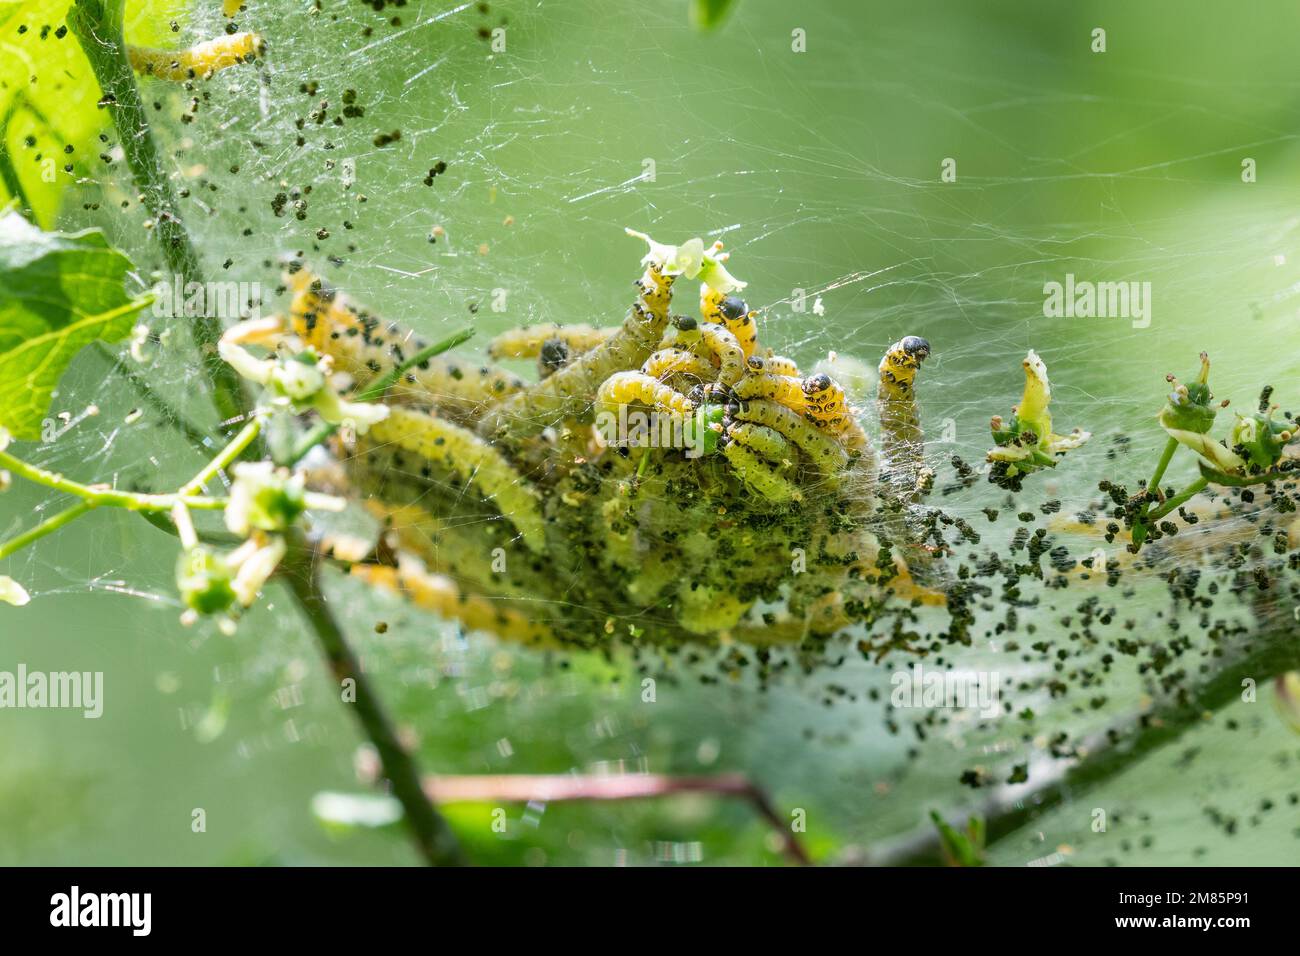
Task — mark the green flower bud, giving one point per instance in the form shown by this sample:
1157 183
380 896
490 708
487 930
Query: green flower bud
264 498
1188 408
204 581
1260 440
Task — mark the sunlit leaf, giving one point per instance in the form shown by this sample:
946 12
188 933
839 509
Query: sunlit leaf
58 293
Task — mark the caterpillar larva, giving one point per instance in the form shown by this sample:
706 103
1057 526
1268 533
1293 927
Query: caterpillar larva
763 441
730 311
364 346
623 388
441 595
759 475
553 356
230 7
201 60
827 407
527 341
675 361
900 423
825 452
775 364
476 462
731 357
569 390
778 388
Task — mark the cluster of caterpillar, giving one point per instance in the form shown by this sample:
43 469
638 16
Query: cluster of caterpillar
772 419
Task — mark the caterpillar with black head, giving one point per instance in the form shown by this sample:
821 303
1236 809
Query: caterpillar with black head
624 388
527 341
784 389
731 312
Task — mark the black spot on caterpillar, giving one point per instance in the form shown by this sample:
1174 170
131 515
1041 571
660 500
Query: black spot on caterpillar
527 341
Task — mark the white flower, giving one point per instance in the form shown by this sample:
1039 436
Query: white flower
359 415
11 592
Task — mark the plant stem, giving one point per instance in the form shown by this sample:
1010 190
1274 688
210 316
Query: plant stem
1106 754
549 788
97 25
433 838
376 389
227 455
48 526
95 495
1191 491
1140 526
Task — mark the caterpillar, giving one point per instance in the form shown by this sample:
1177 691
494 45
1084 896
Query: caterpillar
441 595
759 475
201 60
775 364
527 341
365 347
623 388
476 462
230 7
732 312
826 404
569 390
900 423
763 441
825 452
675 361
778 388
726 349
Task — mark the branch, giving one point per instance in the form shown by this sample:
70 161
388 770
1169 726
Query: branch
97 25
1109 753
433 837
547 788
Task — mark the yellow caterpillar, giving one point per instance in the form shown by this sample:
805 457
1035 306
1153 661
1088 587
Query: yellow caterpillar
623 388
730 311
899 365
825 452
777 388
759 475
476 462
726 350
675 361
201 60
763 441
827 407
568 391
527 341
230 7
775 364
365 347
439 594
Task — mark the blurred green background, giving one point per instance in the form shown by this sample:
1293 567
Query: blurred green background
818 169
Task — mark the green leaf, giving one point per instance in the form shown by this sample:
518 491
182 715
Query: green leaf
58 293
710 14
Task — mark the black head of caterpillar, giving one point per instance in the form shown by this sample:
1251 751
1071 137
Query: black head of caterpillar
553 356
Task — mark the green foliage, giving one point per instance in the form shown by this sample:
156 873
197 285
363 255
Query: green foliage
961 848
58 293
